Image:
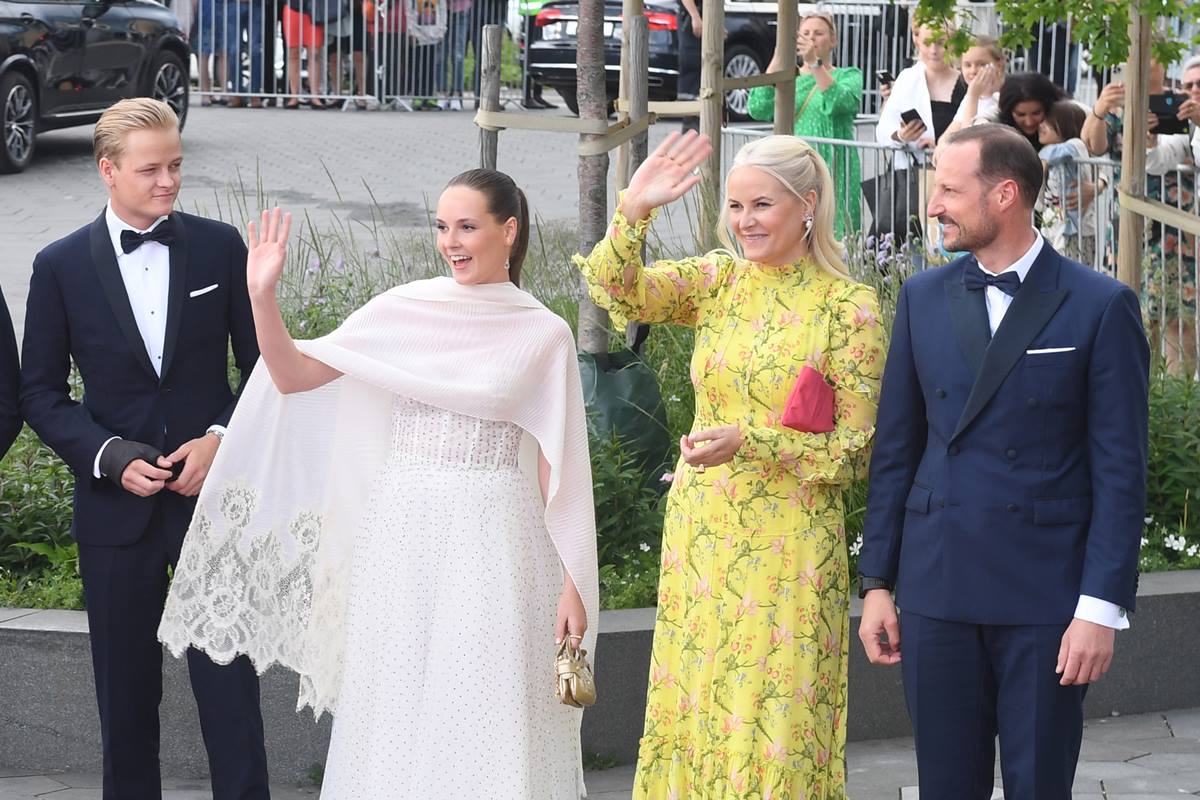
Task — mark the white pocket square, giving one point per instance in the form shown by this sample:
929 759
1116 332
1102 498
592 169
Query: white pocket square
1046 350
205 290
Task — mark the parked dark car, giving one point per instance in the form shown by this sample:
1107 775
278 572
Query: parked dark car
62 62
552 59
870 36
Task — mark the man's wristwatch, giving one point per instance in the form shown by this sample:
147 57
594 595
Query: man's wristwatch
866 584
217 431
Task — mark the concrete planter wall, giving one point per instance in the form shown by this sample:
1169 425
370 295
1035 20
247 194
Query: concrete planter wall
48 714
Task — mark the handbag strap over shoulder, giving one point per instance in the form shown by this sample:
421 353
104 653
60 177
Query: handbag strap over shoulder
807 100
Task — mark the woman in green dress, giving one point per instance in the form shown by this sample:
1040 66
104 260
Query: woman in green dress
827 100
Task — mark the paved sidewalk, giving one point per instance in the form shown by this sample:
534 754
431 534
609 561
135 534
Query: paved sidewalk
1143 757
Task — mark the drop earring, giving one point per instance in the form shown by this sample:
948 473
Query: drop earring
808 223
507 265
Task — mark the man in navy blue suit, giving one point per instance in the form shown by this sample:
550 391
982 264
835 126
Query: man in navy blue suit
1007 485
10 381
146 302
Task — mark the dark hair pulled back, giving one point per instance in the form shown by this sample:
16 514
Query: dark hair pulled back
1024 87
505 200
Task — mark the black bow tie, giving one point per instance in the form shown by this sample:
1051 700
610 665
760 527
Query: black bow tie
1007 282
162 233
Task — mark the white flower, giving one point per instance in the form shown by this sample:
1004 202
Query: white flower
645 548
674 398
1149 520
1173 542
856 548
1193 550
1145 541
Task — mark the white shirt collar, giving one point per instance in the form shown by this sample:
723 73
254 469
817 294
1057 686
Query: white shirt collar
116 225
1025 262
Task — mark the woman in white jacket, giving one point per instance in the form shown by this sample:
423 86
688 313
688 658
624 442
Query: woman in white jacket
933 88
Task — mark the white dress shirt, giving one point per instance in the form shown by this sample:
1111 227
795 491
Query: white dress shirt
1091 609
146 273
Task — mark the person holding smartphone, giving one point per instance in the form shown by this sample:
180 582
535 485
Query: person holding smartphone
827 100
1169 282
923 101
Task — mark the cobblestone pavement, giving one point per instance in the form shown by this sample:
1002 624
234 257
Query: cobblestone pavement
1143 757
316 163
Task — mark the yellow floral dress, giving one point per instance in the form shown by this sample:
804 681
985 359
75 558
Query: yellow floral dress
747 693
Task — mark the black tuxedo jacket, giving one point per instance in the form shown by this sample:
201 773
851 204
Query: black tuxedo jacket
10 381
1009 474
78 310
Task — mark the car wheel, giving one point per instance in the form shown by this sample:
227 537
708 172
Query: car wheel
169 83
740 62
18 122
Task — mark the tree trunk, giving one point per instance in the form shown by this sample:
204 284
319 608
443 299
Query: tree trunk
490 93
1132 225
593 170
785 93
712 107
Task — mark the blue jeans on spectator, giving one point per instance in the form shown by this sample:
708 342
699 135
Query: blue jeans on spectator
215 26
455 42
246 20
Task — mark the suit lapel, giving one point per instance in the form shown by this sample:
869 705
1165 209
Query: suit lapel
1034 305
968 314
176 290
105 260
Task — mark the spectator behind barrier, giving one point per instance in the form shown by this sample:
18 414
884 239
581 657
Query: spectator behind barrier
827 101
304 26
983 69
1024 100
933 88
1169 282
1067 195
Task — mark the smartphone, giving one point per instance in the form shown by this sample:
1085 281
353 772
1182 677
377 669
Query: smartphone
884 76
911 115
1166 107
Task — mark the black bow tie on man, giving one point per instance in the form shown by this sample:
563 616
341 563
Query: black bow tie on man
162 233
1007 282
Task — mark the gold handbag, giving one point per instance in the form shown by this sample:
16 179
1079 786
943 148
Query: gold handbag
575 685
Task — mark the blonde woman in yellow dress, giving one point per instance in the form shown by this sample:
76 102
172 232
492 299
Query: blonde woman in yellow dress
747 694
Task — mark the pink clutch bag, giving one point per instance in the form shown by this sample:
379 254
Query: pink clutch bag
809 407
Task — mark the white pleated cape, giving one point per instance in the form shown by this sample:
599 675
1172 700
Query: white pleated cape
266 563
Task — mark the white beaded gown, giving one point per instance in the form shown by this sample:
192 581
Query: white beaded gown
447 686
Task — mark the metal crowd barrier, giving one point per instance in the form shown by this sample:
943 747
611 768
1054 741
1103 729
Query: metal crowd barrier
423 53
414 54
895 235
875 35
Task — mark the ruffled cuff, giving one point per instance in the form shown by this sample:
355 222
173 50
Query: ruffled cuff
604 268
833 458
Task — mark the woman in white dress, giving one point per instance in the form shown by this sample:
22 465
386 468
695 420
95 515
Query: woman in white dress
367 523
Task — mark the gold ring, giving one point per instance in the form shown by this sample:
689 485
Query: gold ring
574 636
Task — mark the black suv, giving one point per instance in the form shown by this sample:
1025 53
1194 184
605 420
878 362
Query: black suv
871 37
62 62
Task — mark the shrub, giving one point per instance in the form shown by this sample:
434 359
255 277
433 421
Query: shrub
1172 536
35 505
